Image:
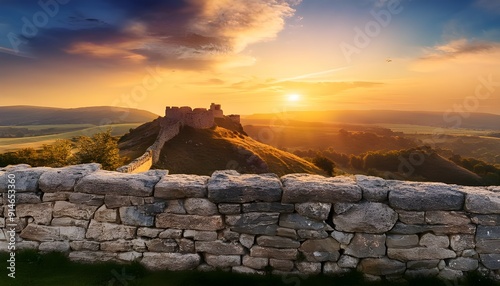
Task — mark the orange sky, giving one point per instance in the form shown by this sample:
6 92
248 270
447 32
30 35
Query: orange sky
258 56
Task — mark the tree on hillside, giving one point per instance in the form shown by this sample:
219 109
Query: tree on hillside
100 148
58 154
325 164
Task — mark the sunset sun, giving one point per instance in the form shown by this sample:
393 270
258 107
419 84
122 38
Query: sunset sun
293 97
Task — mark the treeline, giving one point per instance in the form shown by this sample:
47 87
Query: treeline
100 148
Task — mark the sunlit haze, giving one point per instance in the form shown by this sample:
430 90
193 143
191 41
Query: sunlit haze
254 56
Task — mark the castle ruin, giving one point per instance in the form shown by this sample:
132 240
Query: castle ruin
200 118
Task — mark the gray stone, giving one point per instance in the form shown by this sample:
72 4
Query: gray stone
186 245
228 235
317 211
382 266
412 196
366 217
297 221
104 214
347 261
401 228
75 211
300 188
84 245
367 245
422 264
26 178
283 265
409 217
222 261
175 207
25 198
332 268
171 233
420 253
92 256
52 197
170 261
449 218
139 245
67 221
50 246
254 223
268 207
161 245
51 233
312 234
200 206
490 220
277 242
258 263
311 268
220 248
195 222
231 187
342 237
140 215
450 274
488 239
317 250
491 261
41 213
461 242
103 231
201 235
229 208
267 252
246 270
482 202
119 245
340 208
115 183
181 186
115 201
488 232
64 179
463 264
402 241
247 240
86 199
433 241
287 232
374 189
129 256
471 253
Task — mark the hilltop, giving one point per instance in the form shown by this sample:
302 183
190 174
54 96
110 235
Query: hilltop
98 115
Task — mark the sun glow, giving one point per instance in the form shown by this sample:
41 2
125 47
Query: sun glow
293 97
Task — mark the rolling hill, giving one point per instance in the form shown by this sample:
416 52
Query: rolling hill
99 115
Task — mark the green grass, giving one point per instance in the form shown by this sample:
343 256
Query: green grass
421 129
12 144
56 127
33 269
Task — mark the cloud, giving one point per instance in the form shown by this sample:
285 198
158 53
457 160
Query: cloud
489 5
181 34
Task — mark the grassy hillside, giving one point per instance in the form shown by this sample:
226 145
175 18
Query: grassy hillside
34 115
196 151
12 144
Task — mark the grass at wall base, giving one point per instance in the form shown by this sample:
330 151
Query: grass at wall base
36 269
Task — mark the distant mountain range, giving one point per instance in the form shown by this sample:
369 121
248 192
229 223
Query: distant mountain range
483 121
99 115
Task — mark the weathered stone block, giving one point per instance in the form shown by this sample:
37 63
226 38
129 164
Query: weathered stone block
104 214
140 215
318 250
317 211
117 246
300 188
129 256
463 264
103 231
490 220
64 179
229 208
84 245
409 217
26 178
382 266
312 234
482 201
420 253
170 261
258 263
267 252
41 213
52 233
228 235
425 196
171 233
423 264
449 218
374 189
86 199
342 237
491 261
68 221
52 197
246 270
402 241
50 246
297 221
180 186
75 211
201 235
220 248
114 183
367 245
488 239
283 265
161 245
308 267
175 207
92 256
23 198
347 261
401 228
367 218
115 201
222 261
254 223
268 207
195 222
186 245
200 206
231 187
433 241
287 232
247 240
277 242
332 268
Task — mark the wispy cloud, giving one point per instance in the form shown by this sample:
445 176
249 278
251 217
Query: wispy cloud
314 75
489 5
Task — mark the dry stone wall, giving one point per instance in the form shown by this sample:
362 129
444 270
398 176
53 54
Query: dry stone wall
253 223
